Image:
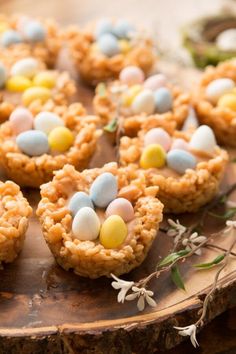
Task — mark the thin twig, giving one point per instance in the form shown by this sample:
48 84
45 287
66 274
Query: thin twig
211 245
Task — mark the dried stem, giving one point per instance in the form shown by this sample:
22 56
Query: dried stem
211 245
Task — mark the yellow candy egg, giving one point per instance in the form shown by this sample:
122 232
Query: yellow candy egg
36 93
60 139
228 101
113 232
153 156
45 79
130 95
18 83
124 46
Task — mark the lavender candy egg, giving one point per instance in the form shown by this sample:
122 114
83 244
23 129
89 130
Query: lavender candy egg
34 32
103 26
163 100
79 200
123 29
121 207
131 75
108 45
180 160
33 143
21 120
103 190
155 82
158 136
10 37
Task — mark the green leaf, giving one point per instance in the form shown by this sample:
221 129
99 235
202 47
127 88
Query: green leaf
112 126
176 277
172 257
101 89
227 215
211 264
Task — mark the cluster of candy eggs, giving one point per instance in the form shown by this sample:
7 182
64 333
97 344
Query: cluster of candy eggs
86 224
113 38
44 133
145 96
160 149
25 76
222 93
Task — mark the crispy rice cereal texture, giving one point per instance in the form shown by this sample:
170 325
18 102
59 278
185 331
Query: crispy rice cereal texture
106 106
14 214
90 258
34 171
221 120
46 51
95 67
188 192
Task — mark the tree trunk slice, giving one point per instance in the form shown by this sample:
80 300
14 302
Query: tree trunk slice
44 309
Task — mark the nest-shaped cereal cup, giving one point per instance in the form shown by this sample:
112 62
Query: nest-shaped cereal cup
14 214
179 193
221 119
34 171
90 258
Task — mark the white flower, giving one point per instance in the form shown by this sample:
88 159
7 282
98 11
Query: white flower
176 230
231 225
143 295
189 331
192 241
124 287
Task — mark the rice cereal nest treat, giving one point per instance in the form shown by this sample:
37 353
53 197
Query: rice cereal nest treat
14 214
27 82
186 167
102 50
99 221
22 36
215 101
131 99
31 148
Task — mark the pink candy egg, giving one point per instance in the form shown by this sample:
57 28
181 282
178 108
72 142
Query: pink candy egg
158 136
132 75
121 207
21 120
155 82
179 144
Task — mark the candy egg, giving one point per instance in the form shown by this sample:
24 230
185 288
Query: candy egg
155 82
86 224
228 101
103 189
3 75
217 88
18 83
34 31
78 201
158 136
130 94
124 46
144 102
226 40
123 29
191 122
113 232
42 94
132 75
60 139
108 45
45 79
153 156
21 120
180 160
180 144
163 100
33 142
103 26
121 207
10 37
25 67
47 121
203 139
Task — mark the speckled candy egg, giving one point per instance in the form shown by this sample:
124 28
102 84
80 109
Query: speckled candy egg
103 26
113 232
154 82
203 139
86 224
3 75
180 144
131 75
108 45
21 120
34 31
79 200
33 143
144 102
217 88
180 160
163 100
121 207
158 136
47 121
103 190
123 29
10 37
25 67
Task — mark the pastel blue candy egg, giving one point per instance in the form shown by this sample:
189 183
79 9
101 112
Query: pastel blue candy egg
10 37
3 75
103 190
34 32
108 45
180 160
78 201
163 100
123 29
33 143
103 26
